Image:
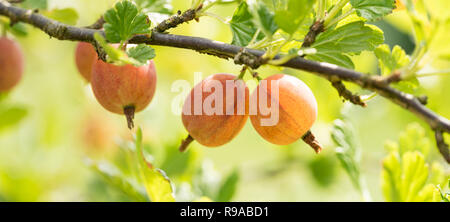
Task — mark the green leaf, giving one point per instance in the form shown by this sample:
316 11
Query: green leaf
242 26
263 18
155 6
125 21
414 139
19 29
291 14
334 46
35 4
390 62
373 9
228 187
404 177
112 176
67 15
352 38
11 116
176 163
115 55
333 57
157 185
141 53
347 150
438 174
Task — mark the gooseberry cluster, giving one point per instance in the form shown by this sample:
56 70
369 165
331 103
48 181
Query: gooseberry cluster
294 105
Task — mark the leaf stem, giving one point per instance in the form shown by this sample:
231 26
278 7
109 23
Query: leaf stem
434 73
321 10
272 53
255 36
242 73
212 15
369 97
335 10
339 18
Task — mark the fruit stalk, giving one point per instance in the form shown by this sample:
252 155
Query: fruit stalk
185 143
129 113
310 139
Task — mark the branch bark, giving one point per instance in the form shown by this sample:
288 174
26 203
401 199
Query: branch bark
328 71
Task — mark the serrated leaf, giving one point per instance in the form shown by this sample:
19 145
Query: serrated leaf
228 187
290 15
390 62
333 57
352 38
66 15
334 46
347 150
414 139
373 9
404 178
35 4
10 116
125 21
155 6
242 26
113 177
141 53
114 55
157 185
263 18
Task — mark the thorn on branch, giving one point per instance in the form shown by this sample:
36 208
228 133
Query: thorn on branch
347 94
442 146
314 31
98 24
423 100
175 20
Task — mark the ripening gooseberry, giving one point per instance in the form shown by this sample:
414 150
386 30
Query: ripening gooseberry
85 57
209 123
11 64
297 109
123 89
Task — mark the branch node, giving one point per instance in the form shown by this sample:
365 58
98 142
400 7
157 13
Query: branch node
245 58
345 93
423 99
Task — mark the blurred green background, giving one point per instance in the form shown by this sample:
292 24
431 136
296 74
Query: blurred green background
43 158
